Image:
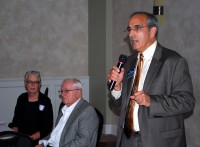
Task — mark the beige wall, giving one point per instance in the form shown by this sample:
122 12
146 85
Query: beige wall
46 35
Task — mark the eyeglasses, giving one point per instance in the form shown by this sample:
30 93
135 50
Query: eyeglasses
66 91
135 28
32 82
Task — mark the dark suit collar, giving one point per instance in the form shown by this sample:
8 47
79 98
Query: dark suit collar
158 52
154 67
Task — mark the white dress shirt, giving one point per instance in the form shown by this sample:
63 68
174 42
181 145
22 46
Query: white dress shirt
148 55
54 139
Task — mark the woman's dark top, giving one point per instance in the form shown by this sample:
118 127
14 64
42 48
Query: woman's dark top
31 117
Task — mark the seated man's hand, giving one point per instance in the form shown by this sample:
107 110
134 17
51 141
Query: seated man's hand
39 145
15 129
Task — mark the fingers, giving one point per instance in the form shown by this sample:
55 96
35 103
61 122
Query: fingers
115 75
141 98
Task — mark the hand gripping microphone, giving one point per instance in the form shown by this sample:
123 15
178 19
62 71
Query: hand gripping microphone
122 61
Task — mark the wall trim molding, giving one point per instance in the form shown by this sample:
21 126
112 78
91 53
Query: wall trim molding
110 129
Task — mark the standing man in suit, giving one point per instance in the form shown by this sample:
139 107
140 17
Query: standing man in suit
164 94
77 122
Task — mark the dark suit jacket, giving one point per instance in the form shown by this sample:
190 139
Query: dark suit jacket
81 128
168 83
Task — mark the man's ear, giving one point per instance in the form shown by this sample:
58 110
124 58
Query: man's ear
153 31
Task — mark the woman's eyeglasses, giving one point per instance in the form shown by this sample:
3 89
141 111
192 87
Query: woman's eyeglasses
32 82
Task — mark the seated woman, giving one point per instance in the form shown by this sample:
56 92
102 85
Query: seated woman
33 112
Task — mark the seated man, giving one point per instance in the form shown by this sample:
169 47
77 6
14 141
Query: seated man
77 122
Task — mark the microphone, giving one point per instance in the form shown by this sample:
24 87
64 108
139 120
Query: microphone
122 61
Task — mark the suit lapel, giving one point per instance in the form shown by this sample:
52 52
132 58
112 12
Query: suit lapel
132 67
154 67
75 113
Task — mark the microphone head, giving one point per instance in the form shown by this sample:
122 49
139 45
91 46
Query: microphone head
123 58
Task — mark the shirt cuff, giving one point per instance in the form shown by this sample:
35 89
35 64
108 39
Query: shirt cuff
44 142
116 94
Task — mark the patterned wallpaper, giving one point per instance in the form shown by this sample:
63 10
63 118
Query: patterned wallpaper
49 36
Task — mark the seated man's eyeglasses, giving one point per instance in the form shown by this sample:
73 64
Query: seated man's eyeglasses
66 91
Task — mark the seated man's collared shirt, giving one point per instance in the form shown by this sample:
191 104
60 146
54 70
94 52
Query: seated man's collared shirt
54 139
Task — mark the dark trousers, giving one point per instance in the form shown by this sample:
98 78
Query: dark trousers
133 141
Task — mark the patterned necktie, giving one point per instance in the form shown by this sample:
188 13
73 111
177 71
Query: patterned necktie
129 116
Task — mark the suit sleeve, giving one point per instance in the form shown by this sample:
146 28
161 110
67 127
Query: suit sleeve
179 99
87 130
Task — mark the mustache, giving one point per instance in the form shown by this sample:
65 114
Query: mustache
132 38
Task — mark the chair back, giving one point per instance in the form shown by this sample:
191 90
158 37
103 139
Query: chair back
60 107
46 91
101 122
